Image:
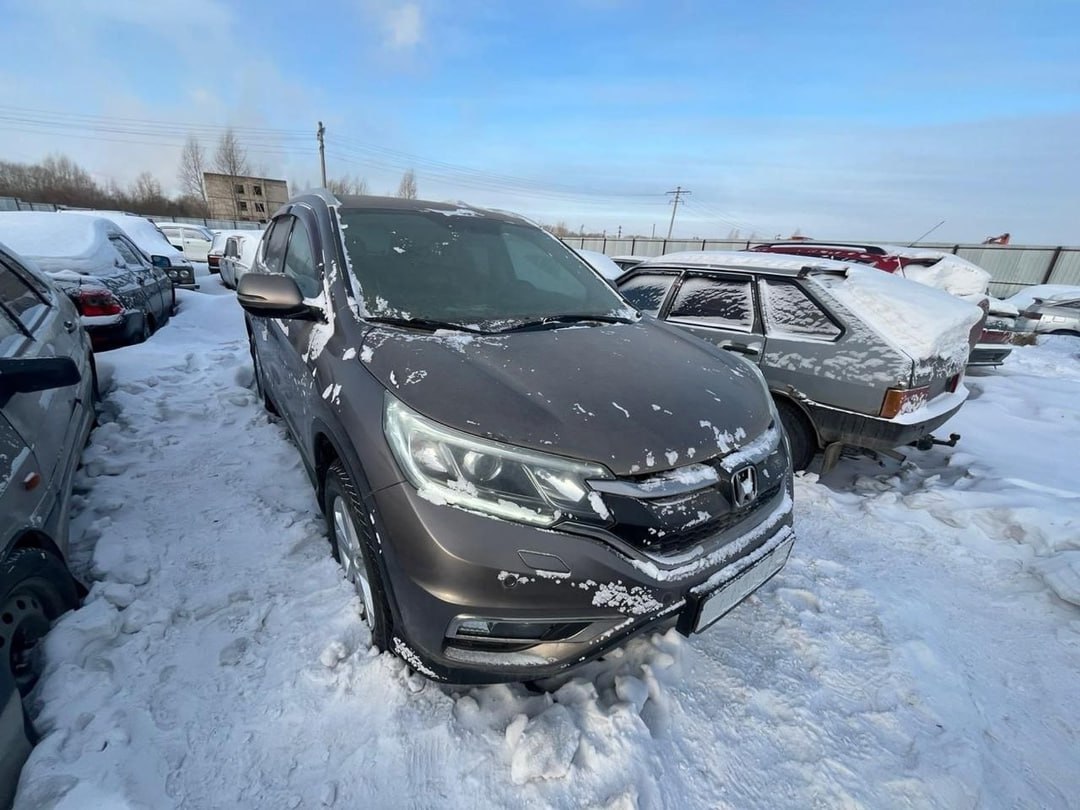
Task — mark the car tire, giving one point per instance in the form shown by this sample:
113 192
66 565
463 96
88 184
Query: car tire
800 433
145 329
257 372
350 523
35 590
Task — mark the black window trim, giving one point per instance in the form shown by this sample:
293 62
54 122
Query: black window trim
303 215
757 328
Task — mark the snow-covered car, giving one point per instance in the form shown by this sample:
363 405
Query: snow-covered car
934 268
509 499
239 256
46 411
121 297
193 240
1057 314
153 243
853 357
600 263
627 262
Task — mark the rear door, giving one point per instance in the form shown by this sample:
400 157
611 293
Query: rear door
802 346
719 308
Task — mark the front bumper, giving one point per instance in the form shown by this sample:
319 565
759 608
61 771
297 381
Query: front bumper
835 425
447 570
182 277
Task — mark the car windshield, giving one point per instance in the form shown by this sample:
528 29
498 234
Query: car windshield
463 268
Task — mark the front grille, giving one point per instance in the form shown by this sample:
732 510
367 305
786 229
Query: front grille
659 541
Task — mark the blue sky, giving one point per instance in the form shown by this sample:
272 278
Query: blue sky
845 120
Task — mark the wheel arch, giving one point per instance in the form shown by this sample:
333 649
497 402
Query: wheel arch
802 409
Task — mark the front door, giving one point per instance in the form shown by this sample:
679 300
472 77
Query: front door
720 309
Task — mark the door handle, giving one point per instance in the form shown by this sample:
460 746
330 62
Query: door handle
741 348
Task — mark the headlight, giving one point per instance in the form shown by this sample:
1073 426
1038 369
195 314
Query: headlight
173 274
485 476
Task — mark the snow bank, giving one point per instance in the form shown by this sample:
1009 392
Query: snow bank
925 323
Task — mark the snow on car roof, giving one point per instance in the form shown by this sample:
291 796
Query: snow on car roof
741 258
141 231
60 240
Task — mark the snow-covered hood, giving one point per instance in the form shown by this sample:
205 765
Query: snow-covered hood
635 397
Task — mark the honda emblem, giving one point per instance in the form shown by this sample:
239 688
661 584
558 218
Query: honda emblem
744 486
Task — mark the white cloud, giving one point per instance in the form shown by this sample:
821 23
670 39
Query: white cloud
404 26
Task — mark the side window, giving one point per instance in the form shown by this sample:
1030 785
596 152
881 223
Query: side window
19 299
719 302
275 244
230 248
789 312
300 262
126 251
194 235
647 291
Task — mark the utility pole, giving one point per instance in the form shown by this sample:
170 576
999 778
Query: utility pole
620 232
320 134
678 192
654 230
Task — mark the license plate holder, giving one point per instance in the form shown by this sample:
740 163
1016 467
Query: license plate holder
714 605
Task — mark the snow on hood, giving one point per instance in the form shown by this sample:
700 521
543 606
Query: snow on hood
923 322
635 397
60 241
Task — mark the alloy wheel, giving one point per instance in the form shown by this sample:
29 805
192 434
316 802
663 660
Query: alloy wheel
352 556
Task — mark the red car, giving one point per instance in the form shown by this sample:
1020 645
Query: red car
934 268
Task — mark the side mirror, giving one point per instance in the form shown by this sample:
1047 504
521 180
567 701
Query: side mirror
266 295
161 262
36 374
179 247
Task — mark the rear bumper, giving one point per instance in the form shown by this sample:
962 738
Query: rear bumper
447 569
123 332
874 433
989 354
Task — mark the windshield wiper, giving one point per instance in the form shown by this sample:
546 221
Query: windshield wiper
427 324
553 321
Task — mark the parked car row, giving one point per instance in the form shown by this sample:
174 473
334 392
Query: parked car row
47 391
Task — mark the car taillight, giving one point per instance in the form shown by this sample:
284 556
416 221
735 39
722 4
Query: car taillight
903 400
95 303
954 383
995 336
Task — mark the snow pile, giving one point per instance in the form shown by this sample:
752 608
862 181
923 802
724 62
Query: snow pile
912 653
144 233
61 241
950 273
923 322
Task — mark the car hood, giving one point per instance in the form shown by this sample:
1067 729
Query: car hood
635 397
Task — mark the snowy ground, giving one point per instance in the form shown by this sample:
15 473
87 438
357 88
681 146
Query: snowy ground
918 650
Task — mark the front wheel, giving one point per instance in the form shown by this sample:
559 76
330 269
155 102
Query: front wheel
352 539
800 434
35 589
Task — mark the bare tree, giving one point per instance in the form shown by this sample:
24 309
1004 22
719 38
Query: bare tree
146 189
193 164
231 160
407 187
347 185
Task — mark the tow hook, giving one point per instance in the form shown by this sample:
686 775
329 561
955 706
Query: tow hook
926 442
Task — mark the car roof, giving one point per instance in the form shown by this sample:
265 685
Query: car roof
775 263
354 202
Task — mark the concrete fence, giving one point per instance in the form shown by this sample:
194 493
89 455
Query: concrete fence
1011 267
